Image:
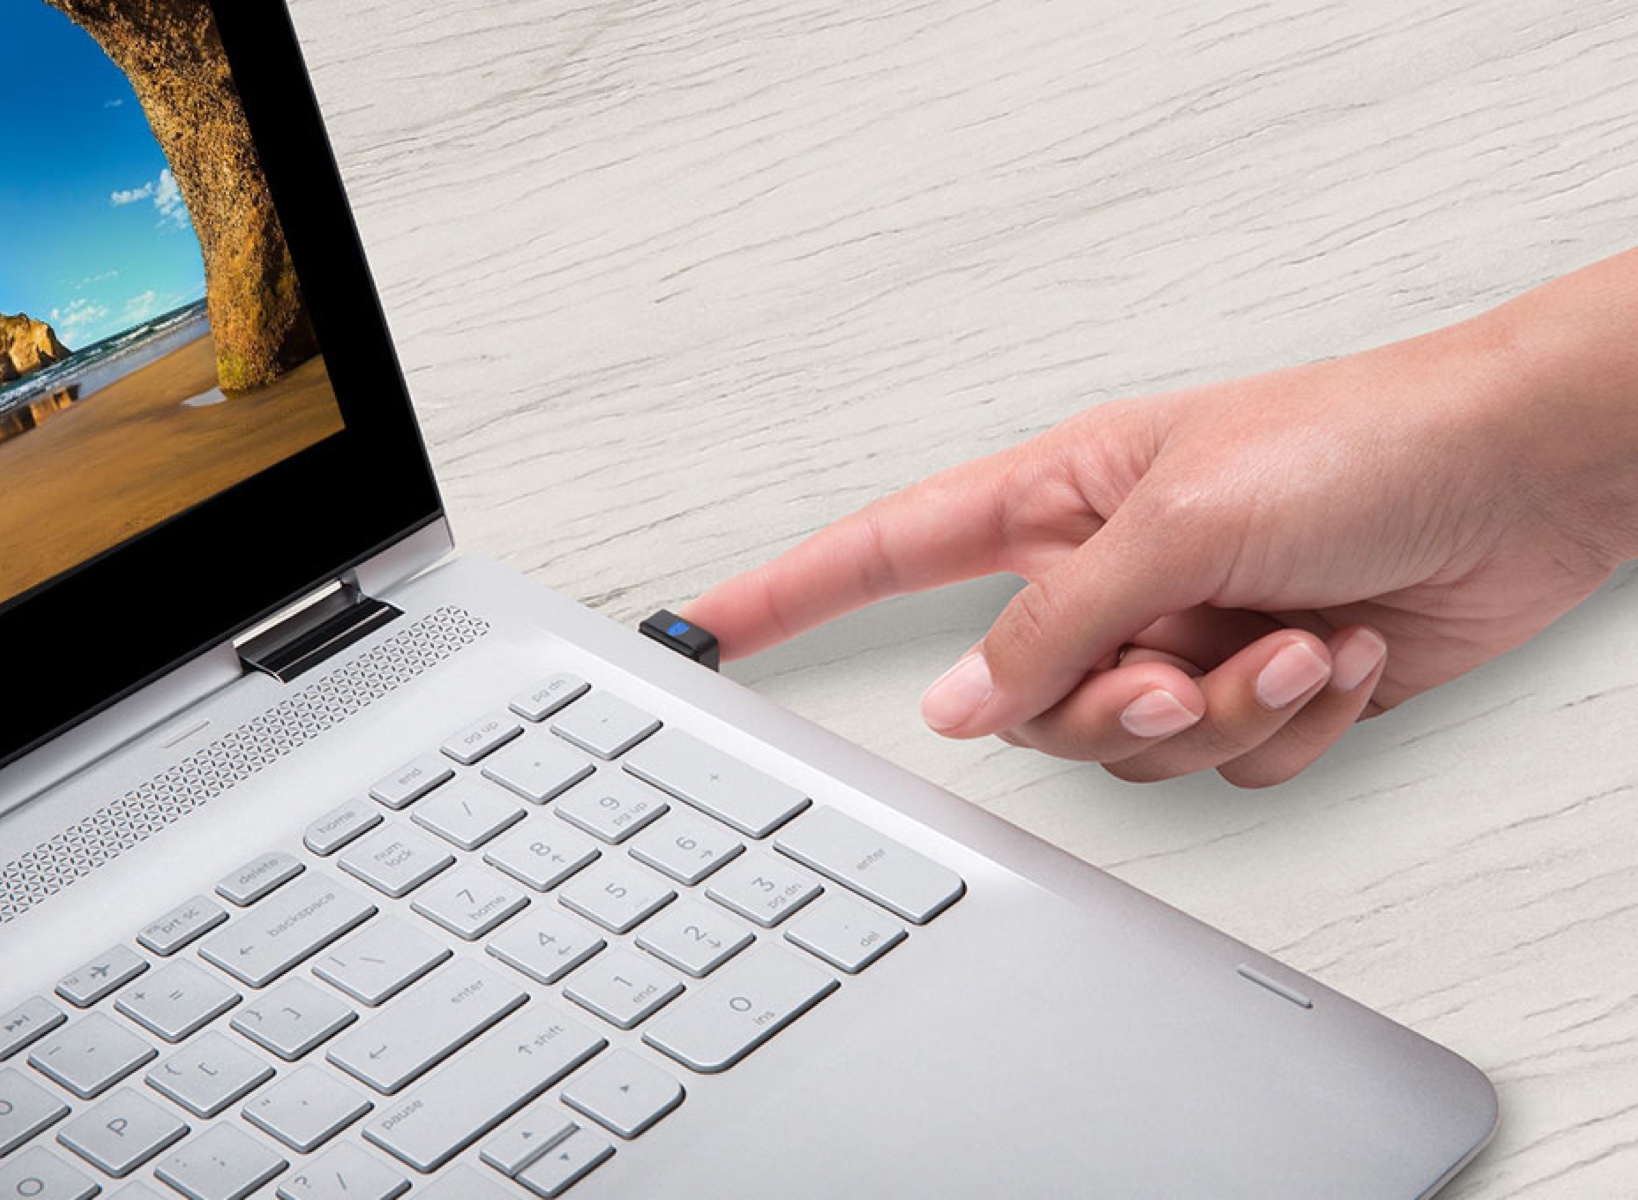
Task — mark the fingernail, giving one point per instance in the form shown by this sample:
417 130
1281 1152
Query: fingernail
1156 713
1359 656
958 693
1289 674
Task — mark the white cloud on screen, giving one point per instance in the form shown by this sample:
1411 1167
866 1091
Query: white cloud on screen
73 323
165 194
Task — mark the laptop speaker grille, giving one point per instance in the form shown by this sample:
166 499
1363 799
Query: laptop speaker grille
234 757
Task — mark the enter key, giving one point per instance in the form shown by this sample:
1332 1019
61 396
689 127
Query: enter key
876 867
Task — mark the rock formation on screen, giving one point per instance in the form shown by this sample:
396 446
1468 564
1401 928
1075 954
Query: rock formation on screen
27 345
172 54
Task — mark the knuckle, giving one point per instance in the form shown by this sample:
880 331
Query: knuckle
1027 621
878 574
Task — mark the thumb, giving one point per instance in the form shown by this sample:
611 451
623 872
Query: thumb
1074 618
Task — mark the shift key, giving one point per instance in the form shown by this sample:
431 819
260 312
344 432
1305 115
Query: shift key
426 1025
439 1118
297 922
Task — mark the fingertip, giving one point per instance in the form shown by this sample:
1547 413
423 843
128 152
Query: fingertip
742 612
1158 713
958 695
1297 669
1356 656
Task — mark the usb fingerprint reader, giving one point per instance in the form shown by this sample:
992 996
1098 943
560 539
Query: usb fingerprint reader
686 638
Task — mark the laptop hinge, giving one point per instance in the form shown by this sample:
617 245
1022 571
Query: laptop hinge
323 625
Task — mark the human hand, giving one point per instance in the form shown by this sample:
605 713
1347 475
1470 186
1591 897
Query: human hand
1230 577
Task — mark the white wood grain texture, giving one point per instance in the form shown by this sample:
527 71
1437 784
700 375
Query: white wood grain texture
677 283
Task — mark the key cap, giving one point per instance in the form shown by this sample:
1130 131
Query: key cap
306 1108
102 976
468 813
91 1055
463 1183
26 1024
623 989
845 933
290 928
347 1172
425 1026
566 1164
542 854
695 938
546 945
481 738
878 868
41 1175
687 847
183 925
617 895
763 888
549 695
137 1191
339 826
612 808
26 1109
258 878
293 1019
526 1137
537 768
470 902
481 1088
412 781
381 960
715 783
208 1074
604 725
725 1019
623 1093
122 1132
395 860
177 1000
223 1163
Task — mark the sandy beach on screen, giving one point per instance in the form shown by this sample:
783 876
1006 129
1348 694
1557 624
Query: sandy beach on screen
133 453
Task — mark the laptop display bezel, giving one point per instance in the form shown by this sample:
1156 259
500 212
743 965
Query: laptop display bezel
84 640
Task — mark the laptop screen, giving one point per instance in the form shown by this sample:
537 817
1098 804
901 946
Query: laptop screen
195 377
140 373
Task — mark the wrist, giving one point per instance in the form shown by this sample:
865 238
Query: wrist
1568 384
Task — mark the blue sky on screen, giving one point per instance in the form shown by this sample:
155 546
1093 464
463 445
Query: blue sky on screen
93 235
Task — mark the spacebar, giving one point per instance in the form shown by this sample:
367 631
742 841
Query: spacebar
491 1081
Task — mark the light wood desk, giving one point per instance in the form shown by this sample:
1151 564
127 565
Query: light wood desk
677 283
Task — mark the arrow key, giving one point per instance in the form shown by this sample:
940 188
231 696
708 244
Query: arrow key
624 1093
526 1137
567 1164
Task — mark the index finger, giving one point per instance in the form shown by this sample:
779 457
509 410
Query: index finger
946 528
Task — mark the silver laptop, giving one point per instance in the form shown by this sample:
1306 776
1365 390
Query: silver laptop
335 869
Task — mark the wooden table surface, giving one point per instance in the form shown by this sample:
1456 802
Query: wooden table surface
675 284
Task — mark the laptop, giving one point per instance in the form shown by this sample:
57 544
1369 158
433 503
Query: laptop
333 866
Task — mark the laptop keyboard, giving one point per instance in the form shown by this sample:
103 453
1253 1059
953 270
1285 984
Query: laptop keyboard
532 939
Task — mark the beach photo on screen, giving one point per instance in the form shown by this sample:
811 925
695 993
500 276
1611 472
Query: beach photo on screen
154 346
